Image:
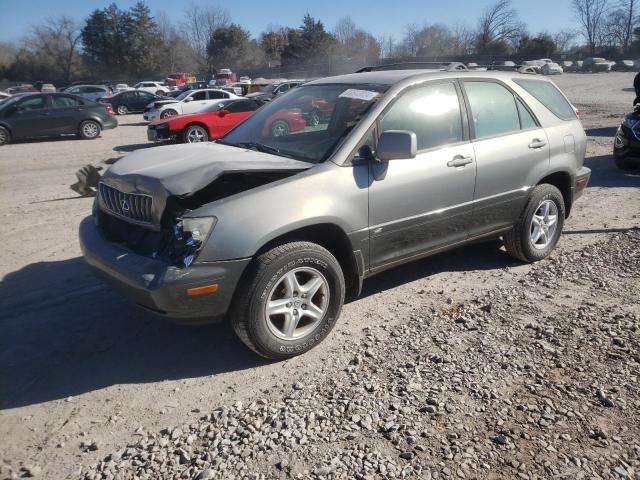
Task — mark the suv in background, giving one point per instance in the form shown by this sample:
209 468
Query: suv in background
271 229
90 92
154 88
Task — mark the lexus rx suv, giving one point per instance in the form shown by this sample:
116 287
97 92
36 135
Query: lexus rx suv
271 232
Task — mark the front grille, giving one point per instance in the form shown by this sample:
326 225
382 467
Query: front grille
133 206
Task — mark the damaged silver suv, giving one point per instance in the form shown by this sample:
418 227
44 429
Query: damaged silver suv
270 228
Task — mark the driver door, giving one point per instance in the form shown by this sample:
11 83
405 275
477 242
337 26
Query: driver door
31 117
197 104
422 204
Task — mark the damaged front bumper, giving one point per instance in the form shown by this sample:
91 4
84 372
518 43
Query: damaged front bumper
159 286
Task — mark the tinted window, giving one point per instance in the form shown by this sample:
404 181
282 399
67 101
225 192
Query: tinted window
145 95
547 94
31 103
199 96
493 109
526 119
65 102
214 95
432 112
242 106
94 90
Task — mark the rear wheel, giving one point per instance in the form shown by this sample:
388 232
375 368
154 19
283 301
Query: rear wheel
279 128
89 130
5 136
196 134
122 110
168 113
289 300
539 228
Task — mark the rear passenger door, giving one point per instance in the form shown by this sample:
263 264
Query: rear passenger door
66 113
511 151
422 204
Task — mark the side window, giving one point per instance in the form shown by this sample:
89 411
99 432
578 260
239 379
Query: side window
74 90
366 148
283 88
60 101
493 109
145 96
431 111
31 103
239 107
548 94
199 96
215 95
526 119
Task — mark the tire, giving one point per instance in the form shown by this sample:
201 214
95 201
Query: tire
168 113
279 128
122 109
314 118
195 134
265 280
623 164
5 136
520 243
89 130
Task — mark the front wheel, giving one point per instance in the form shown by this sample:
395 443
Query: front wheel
196 134
279 128
5 136
168 113
89 130
289 300
538 229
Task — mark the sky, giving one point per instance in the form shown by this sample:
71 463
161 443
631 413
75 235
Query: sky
380 17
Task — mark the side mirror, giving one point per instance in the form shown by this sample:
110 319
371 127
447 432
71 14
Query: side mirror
188 99
223 113
397 145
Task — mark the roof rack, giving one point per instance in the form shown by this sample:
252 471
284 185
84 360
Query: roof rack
442 66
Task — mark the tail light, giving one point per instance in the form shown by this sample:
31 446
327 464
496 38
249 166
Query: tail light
108 109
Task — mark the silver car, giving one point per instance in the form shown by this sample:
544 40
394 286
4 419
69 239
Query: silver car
272 232
91 92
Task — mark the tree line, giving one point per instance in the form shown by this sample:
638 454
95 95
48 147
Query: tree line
134 44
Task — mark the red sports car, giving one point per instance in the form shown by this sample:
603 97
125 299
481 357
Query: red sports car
222 117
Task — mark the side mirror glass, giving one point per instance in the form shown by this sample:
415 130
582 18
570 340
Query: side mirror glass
397 145
223 113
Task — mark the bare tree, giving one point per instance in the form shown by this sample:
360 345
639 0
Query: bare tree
499 22
178 55
463 38
345 30
564 40
590 16
354 42
620 23
56 42
198 26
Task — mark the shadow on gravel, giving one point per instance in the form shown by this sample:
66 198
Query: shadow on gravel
605 174
133 147
601 132
600 230
481 256
135 124
63 333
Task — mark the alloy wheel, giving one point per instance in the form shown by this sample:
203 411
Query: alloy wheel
297 303
196 135
544 224
90 130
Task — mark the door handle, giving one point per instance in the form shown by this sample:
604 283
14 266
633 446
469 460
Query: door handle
459 161
537 143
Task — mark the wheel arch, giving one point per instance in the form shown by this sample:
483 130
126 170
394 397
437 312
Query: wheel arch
336 241
562 180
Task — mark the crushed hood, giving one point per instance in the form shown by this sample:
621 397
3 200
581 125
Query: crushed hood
180 170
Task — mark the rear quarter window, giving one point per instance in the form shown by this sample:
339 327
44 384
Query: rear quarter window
548 95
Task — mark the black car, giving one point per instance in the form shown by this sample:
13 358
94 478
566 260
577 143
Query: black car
626 146
51 114
130 101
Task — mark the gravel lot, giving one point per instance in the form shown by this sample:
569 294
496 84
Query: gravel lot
463 365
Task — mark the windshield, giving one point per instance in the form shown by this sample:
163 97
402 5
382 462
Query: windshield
308 123
183 95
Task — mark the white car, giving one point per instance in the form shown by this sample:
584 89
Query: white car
121 87
245 80
155 88
191 101
552 69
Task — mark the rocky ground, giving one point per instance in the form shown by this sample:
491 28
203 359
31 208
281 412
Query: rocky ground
539 378
463 365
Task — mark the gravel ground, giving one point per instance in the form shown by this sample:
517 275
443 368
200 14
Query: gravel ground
463 365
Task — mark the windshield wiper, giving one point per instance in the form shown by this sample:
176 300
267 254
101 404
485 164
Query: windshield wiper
261 147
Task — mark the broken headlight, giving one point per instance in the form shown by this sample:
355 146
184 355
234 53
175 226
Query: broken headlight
190 234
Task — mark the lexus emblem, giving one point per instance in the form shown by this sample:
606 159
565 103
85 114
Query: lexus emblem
125 205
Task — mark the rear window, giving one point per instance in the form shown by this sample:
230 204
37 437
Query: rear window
549 95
